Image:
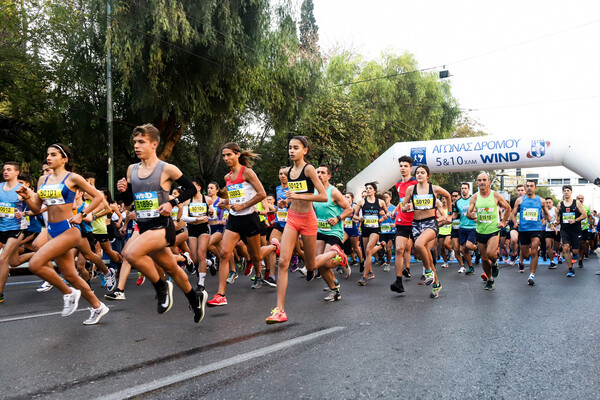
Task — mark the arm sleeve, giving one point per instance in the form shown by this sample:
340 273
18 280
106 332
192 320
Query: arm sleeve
127 197
189 190
185 216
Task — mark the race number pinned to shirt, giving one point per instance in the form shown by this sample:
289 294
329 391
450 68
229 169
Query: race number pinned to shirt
386 227
423 201
198 209
371 221
530 214
7 210
298 187
146 205
323 225
348 223
282 215
235 191
52 194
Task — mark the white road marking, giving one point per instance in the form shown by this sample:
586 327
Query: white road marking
12 319
205 369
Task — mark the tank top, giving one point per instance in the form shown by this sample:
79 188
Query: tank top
85 226
405 219
455 221
260 207
325 211
388 226
239 192
198 208
487 214
445 229
148 194
530 211
462 205
9 204
585 224
281 214
56 193
570 213
371 214
349 223
552 213
423 202
218 214
301 184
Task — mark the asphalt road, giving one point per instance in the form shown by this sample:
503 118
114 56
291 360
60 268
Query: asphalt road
514 342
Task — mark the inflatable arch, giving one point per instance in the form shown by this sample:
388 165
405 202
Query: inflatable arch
484 153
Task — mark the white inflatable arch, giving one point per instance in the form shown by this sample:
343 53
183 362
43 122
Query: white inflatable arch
484 153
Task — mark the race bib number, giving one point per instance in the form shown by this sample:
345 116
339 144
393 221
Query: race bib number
455 223
530 214
236 193
348 223
25 222
225 215
174 213
484 215
323 225
298 187
568 217
423 201
386 228
52 194
7 210
198 209
282 215
146 205
371 221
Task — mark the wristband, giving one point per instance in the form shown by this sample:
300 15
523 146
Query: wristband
83 214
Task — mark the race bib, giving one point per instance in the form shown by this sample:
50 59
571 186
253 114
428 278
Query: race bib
423 201
299 186
198 209
568 217
282 215
455 223
52 194
225 215
236 193
386 228
174 213
7 210
530 214
323 225
371 221
25 222
484 215
146 205
348 223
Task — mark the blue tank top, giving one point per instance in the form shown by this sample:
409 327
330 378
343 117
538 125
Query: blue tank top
9 204
462 205
530 212
85 226
388 226
281 213
56 193
35 224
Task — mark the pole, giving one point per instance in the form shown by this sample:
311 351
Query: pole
109 101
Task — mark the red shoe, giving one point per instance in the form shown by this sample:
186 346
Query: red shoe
217 300
341 254
249 268
140 280
277 316
275 243
484 277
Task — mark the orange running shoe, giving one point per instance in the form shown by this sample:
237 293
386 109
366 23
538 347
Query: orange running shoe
217 300
277 316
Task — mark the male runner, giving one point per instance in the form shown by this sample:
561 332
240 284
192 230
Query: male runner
466 228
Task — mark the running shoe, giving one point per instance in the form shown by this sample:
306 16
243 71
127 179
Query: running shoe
249 268
71 301
531 280
470 271
513 260
362 281
1 297
44 287
303 270
452 256
406 272
435 291
445 265
140 280
571 273
116 295
257 283
189 264
270 281
102 280
336 283
422 280
294 266
580 263
217 300
310 275
200 308
484 277
334 295
275 243
341 254
397 287
597 272
560 260
111 280
386 267
96 314
232 276
521 268
552 265
242 265
89 266
165 298
370 275
211 266
429 277
276 316
489 285
361 269
462 270
346 271
477 257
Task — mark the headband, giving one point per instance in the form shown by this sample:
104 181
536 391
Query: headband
61 149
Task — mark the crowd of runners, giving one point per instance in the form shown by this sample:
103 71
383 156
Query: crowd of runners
172 231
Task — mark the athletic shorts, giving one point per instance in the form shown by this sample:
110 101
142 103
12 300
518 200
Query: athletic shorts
101 237
525 237
467 235
180 231
216 228
420 226
31 233
552 235
5 235
404 231
56 228
165 223
571 237
352 232
303 223
263 228
366 232
90 238
278 227
504 233
586 235
443 236
483 238
329 239
386 237
244 225
454 234
198 230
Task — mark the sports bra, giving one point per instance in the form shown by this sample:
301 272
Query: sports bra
301 184
56 193
423 202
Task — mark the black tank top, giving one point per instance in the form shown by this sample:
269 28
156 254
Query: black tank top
301 184
423 202
371 213
567 214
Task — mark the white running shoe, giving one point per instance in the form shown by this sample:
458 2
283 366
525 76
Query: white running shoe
462 270
44 287
96 314
111 280
452 256
303 270
71 302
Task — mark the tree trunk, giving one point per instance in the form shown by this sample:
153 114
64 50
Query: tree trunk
170 133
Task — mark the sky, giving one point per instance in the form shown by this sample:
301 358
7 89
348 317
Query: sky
523 68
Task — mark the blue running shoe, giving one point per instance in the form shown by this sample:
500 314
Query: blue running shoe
571 273
102 280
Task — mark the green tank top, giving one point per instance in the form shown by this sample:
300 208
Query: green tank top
487 214
445 229
328 210
259 208
585 224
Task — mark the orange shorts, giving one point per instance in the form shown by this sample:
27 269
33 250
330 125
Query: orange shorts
303 223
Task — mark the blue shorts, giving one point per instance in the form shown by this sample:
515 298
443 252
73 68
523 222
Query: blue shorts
352 232
466 235
56 228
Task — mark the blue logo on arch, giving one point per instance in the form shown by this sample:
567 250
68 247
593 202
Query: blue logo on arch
419 154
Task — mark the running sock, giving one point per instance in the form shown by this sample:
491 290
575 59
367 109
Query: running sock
192 297
201 277
159 285
399 279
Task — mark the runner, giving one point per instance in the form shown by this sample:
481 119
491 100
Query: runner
585 233
455 237
514 232
148 184
352 234
421 198
529 224
404 220
570 214
57 191
484 207
552 233
444 241
467 227
388 230
244 190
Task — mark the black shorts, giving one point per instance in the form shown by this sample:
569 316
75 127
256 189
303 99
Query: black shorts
525 237
5 235
90 238
278 227
30 233
366 232
386 237
101 237
586 235
165 223
483 238
571 237
504 233
404 231
216 228
263 228
180 231
198 230
244 225
329 239
454 234
440 236
552 235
